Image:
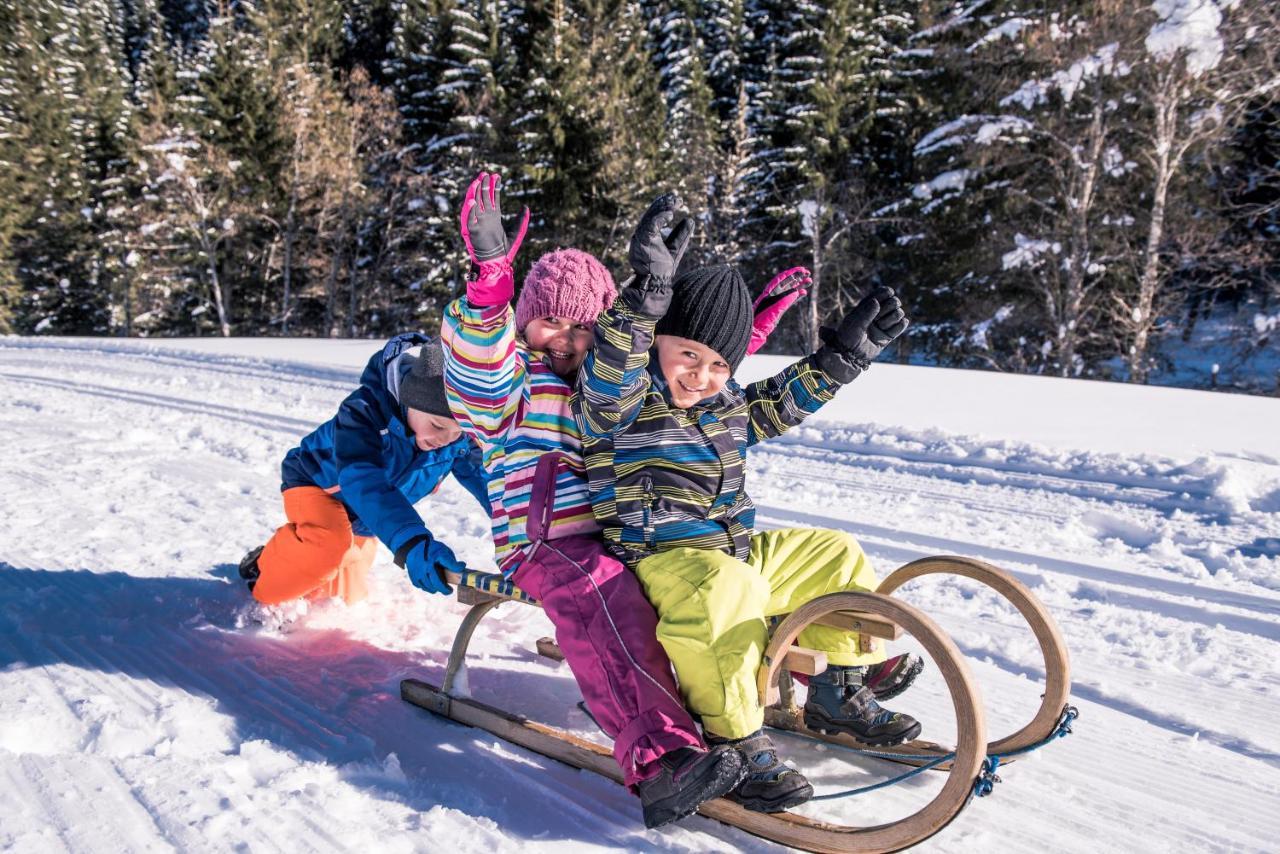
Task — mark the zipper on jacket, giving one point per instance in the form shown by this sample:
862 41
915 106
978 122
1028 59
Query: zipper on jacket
646 483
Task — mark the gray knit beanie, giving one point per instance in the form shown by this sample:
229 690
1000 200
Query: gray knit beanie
423 387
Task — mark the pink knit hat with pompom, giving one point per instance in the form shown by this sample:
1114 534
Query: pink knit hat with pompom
565 283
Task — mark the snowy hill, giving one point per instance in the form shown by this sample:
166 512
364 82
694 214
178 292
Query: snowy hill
145 705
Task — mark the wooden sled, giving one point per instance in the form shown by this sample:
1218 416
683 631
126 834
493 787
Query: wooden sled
875 614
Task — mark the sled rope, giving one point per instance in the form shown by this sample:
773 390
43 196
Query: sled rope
987 779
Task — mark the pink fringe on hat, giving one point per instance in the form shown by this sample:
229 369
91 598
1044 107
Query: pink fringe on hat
565 283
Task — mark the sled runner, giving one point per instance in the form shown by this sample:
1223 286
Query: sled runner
969 764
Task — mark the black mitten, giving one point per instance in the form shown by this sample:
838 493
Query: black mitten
849 349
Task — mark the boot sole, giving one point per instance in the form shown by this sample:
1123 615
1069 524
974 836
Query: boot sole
792 799
903 684
832 728
719 780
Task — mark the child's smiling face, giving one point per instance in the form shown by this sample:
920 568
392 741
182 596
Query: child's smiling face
693 371
564 341
431 431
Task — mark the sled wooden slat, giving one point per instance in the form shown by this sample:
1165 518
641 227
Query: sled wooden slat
810 662
549 741
865 624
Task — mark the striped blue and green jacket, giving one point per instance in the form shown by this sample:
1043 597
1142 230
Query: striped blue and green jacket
661 477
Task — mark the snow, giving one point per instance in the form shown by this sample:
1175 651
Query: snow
146 705
1190 26
1027 252
1007 30
953 180
1068 81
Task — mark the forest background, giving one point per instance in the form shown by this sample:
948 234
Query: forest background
1066 188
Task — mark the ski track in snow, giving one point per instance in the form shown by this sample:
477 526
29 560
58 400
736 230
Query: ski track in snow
146 705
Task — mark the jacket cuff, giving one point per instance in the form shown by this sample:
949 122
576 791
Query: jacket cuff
648 299
402 553
842 366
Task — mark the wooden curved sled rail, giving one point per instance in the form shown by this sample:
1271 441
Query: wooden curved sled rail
1057 666
970 728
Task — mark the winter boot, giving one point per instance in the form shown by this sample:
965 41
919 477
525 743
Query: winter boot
686 779
892 676
771 785
839 703
249 567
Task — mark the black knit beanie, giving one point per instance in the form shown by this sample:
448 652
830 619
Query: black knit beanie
711 305
423 387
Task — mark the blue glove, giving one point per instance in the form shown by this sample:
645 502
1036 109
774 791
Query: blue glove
426 562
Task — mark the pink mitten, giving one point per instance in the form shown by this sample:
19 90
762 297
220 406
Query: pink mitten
487 243
784 289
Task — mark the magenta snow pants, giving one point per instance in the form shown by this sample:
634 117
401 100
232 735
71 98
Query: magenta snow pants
608 633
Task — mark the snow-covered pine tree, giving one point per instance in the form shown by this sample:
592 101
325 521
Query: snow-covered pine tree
693 140
819 119
588 125
736 75
57 105
368 28
109 151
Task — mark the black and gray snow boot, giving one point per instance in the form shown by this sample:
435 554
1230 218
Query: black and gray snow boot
839 703
891 677
249 567
687 779
771 785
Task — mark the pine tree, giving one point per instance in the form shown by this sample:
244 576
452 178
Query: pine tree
50 60
692 142
811 184
238 115
588 126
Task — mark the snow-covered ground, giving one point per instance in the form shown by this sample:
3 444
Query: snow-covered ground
145 705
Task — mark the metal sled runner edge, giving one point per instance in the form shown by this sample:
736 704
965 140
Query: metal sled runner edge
879 614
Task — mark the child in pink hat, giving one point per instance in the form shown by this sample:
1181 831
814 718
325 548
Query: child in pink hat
508 378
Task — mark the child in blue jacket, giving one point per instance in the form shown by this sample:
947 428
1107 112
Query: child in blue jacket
356 478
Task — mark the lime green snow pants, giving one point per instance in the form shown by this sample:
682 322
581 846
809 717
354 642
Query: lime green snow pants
713 610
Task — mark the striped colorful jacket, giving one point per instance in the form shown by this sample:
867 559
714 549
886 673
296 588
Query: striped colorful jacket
662 477
518 411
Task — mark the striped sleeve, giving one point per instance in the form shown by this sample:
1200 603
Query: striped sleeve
614 377
781 402
482 368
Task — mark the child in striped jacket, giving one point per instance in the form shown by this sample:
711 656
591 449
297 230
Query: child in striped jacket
508 376
665 430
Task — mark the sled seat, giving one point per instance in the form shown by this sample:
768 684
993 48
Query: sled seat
478 588
799 659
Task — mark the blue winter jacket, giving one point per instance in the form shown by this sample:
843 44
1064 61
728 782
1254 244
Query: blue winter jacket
367 458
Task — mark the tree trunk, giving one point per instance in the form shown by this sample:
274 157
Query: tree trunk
1078 248
354 288
813 321
215 282
290 226
1143 319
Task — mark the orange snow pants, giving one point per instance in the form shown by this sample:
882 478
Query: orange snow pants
316 554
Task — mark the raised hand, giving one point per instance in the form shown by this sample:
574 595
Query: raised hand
778 296
487 243
653 257
862 334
